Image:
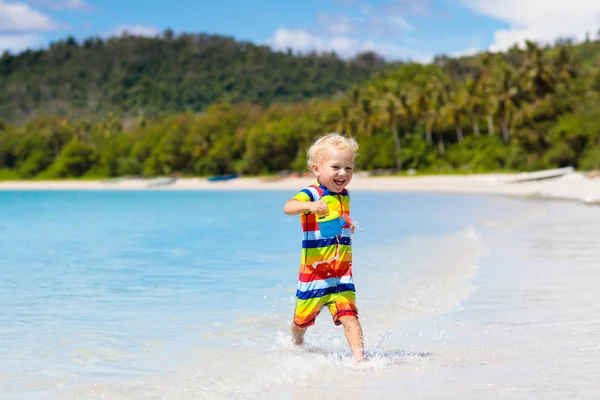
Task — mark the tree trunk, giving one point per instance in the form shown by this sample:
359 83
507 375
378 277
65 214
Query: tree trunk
490 122
396 146
505 131
475 125
441 147
458 127
55 149
428 133
459 133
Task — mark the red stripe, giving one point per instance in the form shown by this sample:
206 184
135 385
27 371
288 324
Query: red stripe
308 274
319 190
310 226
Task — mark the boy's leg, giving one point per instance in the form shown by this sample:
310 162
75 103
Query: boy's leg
298 333
354 336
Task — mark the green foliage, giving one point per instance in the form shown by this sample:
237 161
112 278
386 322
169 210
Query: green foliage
590 159
9 175
130 75
75 160
479 154
204 105
38 159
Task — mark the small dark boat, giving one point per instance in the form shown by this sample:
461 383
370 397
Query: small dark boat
219 178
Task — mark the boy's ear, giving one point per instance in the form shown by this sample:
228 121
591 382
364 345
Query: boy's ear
315 169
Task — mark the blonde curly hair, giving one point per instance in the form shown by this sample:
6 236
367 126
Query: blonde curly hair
333 139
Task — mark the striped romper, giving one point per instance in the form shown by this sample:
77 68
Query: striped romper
325 277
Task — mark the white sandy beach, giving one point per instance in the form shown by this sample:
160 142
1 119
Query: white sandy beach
571 186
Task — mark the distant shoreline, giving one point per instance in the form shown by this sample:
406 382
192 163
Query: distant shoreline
571 186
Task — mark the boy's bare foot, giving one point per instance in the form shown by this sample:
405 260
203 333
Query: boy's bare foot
359 355
298 334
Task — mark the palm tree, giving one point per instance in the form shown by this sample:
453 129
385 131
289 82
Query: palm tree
507 98
348 123
454 108
393 116
564 67
391 112
485 89
535 74
366 115
474 103
423 106
438 100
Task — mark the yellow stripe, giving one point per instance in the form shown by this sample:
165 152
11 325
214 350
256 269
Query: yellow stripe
305 307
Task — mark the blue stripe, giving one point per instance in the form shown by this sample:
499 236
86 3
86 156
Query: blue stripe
316 235
311 294
313 244
309 193
327 192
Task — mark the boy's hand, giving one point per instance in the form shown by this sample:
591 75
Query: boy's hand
319 208
350 222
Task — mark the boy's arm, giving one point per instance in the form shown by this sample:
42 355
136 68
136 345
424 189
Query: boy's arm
295 207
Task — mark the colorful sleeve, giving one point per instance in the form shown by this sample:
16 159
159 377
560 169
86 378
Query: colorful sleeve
308 194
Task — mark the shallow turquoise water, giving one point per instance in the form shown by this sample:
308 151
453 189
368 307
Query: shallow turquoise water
106 293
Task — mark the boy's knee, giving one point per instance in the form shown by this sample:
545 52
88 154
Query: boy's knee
349 320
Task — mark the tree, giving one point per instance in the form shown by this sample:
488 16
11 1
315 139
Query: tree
439 99
474 104
424 108
486 90
535 74
391 111
456 104
507 98
74 160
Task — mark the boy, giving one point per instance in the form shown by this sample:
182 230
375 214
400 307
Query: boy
325 277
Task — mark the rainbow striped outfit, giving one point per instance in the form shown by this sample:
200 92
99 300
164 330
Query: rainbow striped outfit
325 277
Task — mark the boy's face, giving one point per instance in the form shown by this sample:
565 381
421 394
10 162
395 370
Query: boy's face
335 168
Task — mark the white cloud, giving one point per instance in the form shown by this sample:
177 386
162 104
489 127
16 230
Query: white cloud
296 39
20 17
303 41
18 24
135 30
469 51
380 25
17 43
348 34
537 20
72 5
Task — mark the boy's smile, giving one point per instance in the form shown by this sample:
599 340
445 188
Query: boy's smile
334 170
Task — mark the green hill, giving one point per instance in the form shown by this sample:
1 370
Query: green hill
127 109
131 74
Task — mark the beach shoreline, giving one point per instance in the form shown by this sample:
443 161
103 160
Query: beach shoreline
573 186
473 297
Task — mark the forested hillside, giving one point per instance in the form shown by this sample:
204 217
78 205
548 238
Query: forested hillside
531 108
129 75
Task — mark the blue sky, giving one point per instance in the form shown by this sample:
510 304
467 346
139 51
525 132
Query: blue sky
397 29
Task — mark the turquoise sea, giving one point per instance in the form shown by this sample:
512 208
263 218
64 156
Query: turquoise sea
189 295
